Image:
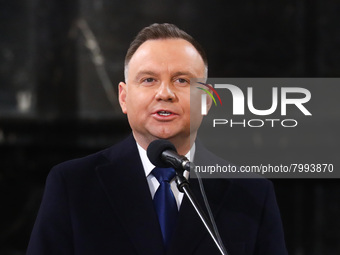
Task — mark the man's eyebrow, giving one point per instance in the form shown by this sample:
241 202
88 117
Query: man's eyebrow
142 73
152 73
183 73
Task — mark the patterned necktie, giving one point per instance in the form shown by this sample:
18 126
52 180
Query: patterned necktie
165 203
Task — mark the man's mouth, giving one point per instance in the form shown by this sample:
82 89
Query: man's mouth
164 113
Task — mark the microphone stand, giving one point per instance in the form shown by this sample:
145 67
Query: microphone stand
183 186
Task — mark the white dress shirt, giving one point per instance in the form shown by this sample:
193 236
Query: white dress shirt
153 182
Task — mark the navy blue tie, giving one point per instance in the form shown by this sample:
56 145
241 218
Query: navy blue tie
165 203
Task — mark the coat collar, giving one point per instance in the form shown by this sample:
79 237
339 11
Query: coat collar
130 196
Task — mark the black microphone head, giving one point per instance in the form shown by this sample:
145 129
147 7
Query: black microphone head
156 149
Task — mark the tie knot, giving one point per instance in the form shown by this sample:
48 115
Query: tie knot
164 174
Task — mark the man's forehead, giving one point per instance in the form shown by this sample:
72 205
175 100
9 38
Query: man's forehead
170 69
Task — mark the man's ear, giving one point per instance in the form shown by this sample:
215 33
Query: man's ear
122 90
209 100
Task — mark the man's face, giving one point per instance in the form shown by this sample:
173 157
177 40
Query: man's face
156 96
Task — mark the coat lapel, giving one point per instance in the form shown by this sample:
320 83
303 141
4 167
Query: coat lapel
190 230
126 187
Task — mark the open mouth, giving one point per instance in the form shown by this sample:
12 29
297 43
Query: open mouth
164 113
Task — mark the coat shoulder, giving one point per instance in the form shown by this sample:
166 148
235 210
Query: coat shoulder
80 166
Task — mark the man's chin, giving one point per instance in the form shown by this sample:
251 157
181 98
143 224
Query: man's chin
164 136
173 137
172 134
164 133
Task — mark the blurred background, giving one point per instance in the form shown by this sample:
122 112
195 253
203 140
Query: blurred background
61 62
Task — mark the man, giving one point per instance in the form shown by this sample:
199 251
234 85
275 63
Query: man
103 203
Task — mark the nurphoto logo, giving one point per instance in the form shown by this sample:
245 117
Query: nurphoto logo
296 96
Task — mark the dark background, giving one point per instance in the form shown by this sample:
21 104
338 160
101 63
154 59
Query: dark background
59 60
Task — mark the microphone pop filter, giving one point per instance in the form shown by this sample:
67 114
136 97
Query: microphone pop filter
155 150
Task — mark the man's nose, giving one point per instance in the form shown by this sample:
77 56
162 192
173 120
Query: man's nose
165 92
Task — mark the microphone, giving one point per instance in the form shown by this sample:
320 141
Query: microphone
163 153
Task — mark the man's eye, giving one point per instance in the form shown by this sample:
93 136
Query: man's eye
181 80
149 80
